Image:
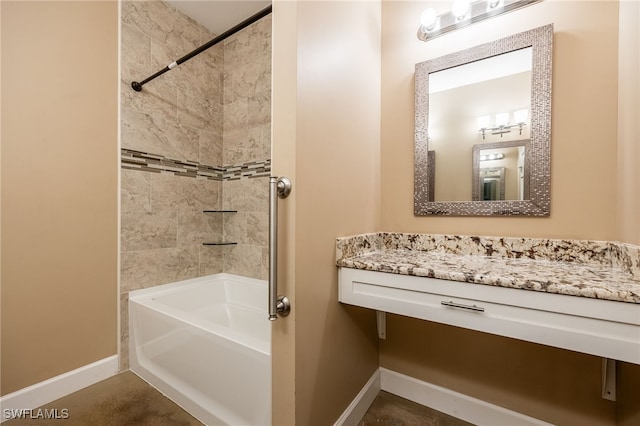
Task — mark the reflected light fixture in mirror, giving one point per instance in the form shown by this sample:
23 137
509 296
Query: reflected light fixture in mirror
463 13
502 122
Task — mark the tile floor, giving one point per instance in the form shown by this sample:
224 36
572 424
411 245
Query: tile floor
126 399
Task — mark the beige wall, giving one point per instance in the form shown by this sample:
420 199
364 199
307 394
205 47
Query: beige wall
59 188
628 406
326 138
628 123
584 91
554 385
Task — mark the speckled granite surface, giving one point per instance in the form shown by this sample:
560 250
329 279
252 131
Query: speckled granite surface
596 269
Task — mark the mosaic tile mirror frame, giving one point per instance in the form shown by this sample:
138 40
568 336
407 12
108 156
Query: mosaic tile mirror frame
538 199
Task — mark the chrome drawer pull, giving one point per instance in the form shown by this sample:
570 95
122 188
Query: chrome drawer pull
458 305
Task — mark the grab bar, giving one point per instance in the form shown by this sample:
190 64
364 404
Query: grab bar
278 305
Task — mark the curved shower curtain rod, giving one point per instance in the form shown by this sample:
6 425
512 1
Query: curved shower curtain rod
137 86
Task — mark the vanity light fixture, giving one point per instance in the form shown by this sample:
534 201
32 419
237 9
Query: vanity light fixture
490 157
460 9
502 122
463 13
429 19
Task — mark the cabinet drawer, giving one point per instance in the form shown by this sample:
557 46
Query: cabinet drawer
598 327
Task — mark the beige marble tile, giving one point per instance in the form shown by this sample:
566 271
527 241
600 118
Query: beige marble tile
162 54
124 352
211 259
236 115
211 148
257 228
261 31
237 48
148 268
247 195
249 144
186 33
248 44
196 227
263 138
259 109
244 260
157 99
263 85
235 227
235 146
197 110
203 74
124 314
135 48
154 134
135 191
148 230
241 82
178 193
153 18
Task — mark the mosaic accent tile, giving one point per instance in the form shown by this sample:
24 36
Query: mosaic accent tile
147 162
596 269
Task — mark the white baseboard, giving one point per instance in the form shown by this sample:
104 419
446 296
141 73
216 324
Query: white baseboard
49 390
359 406
450 402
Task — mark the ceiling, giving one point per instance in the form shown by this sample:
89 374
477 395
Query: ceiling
219 15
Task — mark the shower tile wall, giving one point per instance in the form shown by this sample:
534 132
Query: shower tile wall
184 115
247 137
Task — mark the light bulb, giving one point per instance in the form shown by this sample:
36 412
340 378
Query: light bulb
460 9
521 116
428 19
502 119
484 122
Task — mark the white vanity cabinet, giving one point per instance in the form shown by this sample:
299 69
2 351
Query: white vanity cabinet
604 328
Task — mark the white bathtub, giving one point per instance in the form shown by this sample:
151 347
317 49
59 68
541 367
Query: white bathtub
206 344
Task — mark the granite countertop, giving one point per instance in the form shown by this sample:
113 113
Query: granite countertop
594 269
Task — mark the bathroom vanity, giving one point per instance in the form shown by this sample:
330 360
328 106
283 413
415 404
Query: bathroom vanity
578 295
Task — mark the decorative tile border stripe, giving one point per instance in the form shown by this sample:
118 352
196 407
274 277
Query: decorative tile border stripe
146 162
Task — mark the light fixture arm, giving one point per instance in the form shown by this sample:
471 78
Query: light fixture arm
500 130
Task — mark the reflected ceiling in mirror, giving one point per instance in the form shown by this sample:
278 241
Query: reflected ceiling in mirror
496 95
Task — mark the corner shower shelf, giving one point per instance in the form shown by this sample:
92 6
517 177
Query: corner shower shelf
219 243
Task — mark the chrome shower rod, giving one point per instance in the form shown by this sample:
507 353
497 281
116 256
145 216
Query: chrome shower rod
137 86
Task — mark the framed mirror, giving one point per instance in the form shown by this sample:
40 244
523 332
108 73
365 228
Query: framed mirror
483 129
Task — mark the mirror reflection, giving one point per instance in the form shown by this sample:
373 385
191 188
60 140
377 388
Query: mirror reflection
501 171
482 103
